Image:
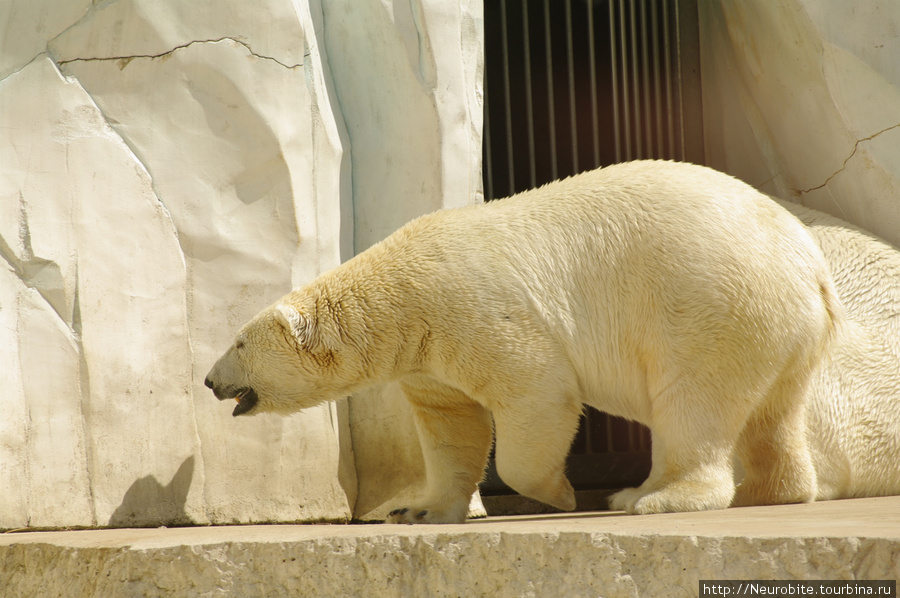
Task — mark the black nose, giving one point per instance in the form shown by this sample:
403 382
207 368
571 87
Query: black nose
208 383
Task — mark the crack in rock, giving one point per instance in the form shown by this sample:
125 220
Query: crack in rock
124 60
847 159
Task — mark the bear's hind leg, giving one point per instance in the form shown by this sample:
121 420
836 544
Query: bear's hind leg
693 442
455 436
775 453
533 441
682 480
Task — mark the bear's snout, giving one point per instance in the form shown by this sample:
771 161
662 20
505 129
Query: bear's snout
219 390
246 397
222 391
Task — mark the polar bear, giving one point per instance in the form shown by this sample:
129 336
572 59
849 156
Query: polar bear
853 419
662 292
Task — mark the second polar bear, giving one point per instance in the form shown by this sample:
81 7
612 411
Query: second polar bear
665 293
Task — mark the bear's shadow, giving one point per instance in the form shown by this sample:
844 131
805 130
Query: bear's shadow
148 503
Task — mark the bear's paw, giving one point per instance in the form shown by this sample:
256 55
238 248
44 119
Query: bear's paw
411 515
674 498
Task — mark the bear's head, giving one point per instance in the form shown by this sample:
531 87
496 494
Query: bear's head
289 357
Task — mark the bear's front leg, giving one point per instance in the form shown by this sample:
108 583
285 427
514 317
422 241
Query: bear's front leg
534 434
455 434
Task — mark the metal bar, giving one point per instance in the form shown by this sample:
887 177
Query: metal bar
636 82
570 63
657 82
529 98
487 169
551 106
626 103
614 75
667 59
595 119
587 417
679 92
645 79
610 445
689 69
507 100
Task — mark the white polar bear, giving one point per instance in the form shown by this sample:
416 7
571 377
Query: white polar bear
666 293
854 413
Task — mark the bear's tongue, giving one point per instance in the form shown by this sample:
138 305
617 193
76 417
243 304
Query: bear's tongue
245 402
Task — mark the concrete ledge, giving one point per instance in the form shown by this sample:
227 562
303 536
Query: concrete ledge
584 554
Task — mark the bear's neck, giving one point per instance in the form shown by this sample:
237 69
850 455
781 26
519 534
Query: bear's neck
381 314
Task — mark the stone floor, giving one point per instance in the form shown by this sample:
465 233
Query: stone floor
583 554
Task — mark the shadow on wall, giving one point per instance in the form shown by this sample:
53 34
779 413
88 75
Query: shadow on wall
149 503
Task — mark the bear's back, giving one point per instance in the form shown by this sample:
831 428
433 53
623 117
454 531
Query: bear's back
639 262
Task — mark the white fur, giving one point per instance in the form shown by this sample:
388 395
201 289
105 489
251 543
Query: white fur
665 293
854 416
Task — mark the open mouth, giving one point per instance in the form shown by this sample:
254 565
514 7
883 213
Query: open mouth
246 400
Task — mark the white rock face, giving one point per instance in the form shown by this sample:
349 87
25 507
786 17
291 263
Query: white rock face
167 169
802 99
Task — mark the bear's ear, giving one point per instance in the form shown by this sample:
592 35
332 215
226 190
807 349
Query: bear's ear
298 325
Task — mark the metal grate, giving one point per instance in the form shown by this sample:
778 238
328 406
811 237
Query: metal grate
571 85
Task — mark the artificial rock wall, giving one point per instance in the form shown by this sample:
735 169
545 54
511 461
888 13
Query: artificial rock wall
169 168
801 98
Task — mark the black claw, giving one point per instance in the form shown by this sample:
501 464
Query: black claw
397 512
421 514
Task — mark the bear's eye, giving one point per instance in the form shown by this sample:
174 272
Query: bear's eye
238 344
